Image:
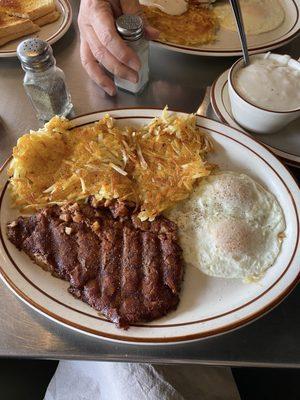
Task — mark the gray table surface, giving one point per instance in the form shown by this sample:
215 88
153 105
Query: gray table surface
179 81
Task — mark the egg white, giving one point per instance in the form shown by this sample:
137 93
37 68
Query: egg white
259 15
230 227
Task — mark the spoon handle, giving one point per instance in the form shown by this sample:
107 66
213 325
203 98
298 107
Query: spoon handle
203 108
235 5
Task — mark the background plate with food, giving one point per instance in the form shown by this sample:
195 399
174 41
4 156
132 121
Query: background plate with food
210 30
208 305
40 19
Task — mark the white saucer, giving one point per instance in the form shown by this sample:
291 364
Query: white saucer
285 143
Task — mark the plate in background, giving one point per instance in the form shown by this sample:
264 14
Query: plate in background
228 43
50 32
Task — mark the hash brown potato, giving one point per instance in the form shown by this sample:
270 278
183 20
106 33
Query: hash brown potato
155 165
198 25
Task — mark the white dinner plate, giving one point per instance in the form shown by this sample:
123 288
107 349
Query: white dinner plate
228 43
208 306
285 143
50 32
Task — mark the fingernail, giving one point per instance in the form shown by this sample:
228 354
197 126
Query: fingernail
135 65
133 79
111 91
152 33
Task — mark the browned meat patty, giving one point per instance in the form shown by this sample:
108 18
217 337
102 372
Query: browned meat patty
129 270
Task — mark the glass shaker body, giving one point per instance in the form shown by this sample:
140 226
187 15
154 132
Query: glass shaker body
131 29
47 92
141 48
43 82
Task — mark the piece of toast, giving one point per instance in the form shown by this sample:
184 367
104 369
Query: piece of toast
13 36
31 9
12 25
47 19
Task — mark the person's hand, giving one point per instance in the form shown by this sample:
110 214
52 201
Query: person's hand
101 46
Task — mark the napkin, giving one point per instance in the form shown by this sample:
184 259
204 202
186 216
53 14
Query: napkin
89 380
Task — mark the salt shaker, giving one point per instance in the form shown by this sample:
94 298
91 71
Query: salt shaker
44 82
131 29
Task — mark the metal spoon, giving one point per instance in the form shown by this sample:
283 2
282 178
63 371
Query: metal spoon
236 8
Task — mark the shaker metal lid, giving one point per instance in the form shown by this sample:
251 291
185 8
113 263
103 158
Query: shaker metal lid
130 27
35 54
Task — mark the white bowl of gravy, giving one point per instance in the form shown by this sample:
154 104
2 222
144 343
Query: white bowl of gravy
265 95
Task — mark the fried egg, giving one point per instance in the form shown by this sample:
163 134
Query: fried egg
230 227
259 15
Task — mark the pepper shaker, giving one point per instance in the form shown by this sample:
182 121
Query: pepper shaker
131 29
44 82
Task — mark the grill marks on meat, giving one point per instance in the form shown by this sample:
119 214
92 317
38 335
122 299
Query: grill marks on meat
110 270
129 270
132 275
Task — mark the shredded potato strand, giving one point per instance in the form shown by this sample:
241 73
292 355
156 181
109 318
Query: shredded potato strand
155 165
